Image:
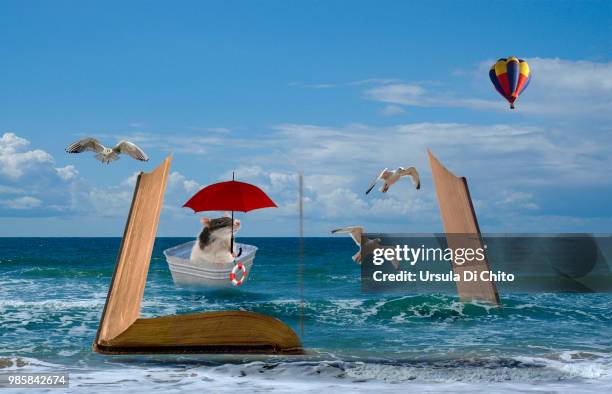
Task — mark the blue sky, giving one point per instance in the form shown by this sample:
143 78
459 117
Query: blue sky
336 89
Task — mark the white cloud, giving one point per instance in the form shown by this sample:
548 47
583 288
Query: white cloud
109 201
518 199
408 94
338 203
519 153
74 195
518 156
313 85
339 162
244 172
130 182
16 159
375 81
361 82
11 190
411 203
327 182
32 172
21 203
571 77
565 87
504 162
418 96
333 198
210 129
392 110
172 142
114 201
67 173
177 180
558 87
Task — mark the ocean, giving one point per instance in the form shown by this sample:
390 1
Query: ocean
52 291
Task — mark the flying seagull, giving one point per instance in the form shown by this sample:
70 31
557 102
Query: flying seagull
356 232
390 177
370 244
104 154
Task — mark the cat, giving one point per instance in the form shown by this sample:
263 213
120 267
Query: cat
213 243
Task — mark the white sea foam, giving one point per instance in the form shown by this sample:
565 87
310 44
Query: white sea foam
57 305
339 377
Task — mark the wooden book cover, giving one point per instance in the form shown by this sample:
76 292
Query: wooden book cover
121 329
462 231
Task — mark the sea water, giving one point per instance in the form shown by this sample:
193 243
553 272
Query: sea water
52 291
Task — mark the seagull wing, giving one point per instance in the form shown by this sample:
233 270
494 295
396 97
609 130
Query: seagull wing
414 174
384 174
131 149
84 145
355 232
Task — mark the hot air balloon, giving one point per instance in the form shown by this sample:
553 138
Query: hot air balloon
510 77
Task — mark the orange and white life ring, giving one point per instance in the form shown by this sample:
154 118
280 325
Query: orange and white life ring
232 276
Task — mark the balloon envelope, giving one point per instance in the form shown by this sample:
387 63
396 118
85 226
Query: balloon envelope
510 77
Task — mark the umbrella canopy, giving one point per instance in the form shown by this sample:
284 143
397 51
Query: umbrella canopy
230 196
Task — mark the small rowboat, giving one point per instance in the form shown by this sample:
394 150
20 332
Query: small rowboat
186 272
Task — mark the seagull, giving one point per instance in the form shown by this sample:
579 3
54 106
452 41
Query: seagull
370 244
104 154
356 232
390 177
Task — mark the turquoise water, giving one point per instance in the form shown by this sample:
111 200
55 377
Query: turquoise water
52 292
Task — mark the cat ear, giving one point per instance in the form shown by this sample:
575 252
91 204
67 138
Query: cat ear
205 221
227 214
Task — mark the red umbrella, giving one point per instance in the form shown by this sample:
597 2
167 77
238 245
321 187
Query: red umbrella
230 196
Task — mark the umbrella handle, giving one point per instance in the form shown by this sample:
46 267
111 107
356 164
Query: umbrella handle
232 239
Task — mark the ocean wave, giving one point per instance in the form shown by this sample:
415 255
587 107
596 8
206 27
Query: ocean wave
55 305
53 271
29 363
492 375
403 309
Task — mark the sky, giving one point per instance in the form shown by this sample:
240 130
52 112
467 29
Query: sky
337 90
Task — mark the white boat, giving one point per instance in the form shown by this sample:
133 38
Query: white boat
206 274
